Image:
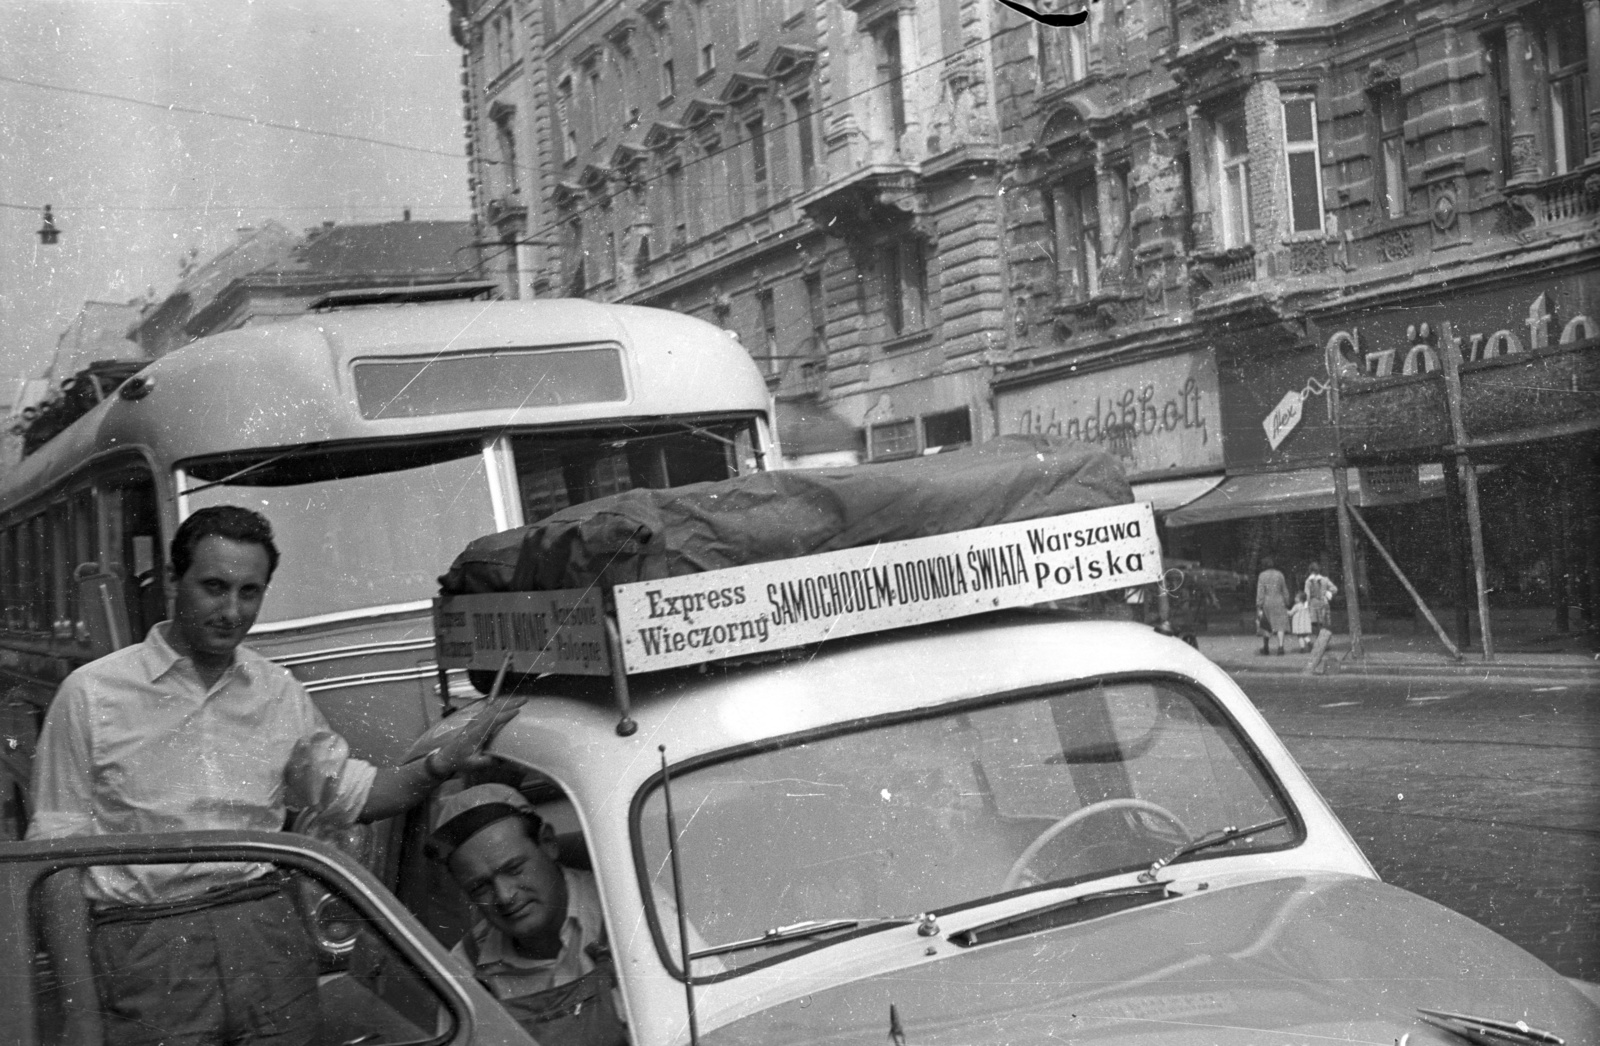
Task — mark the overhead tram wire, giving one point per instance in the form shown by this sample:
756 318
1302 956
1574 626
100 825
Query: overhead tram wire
556 226
235 117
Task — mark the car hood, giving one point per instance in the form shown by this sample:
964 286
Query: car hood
1304 960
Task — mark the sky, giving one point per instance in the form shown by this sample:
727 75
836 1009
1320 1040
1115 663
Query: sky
135 186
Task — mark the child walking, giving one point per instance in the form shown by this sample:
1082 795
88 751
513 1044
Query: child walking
1300 621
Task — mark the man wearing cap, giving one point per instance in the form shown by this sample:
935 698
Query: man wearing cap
539 946
191 730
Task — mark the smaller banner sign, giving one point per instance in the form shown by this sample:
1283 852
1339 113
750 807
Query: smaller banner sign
1284 417
561 631
792 602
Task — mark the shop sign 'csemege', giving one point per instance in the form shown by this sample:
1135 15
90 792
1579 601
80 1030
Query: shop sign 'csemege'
1052 18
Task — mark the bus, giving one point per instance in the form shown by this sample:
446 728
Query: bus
379 432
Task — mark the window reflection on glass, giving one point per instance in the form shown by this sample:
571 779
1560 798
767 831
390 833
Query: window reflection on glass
926 815
270 952
363 528
556 471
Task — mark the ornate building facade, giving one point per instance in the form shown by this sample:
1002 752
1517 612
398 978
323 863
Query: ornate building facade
1163 230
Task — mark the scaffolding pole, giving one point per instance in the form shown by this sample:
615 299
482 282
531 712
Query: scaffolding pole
1450 348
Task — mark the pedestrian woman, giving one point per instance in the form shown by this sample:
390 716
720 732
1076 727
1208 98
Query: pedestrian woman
1319 596
1272 603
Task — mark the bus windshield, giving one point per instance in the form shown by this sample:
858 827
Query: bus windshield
376 525
367 529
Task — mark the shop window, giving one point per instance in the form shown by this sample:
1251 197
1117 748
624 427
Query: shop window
905 284
1567 74
1233 179
1389 148
947 430
892 439
1074 215
1303 164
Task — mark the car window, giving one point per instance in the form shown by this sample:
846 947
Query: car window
337 972
934 813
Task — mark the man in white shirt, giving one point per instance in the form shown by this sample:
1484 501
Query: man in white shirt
190 730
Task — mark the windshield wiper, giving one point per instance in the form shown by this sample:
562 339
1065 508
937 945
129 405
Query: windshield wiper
1206 842
1076 909
793 932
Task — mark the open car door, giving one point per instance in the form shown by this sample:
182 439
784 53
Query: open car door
383 980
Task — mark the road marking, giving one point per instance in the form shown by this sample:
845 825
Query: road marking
1547 689
1423 698
1340 704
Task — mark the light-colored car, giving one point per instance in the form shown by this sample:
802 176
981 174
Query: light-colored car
1002 829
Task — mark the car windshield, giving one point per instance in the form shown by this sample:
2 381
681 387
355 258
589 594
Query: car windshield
939 812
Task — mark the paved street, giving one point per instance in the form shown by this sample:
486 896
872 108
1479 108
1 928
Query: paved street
1484 796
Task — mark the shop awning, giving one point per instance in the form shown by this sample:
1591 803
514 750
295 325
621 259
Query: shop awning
1305 490
1165 495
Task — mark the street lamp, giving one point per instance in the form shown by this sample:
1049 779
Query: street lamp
48 233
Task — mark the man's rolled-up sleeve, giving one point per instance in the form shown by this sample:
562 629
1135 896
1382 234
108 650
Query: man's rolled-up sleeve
63 773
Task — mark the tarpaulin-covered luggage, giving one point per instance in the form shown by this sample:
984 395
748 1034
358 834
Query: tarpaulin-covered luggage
647 534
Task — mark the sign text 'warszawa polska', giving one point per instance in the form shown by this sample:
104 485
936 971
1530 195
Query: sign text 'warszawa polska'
792 602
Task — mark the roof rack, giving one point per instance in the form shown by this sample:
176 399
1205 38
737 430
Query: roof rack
646 626
464 290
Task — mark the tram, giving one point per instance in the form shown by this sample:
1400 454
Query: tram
378 432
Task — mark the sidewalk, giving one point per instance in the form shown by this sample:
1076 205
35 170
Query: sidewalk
1398 655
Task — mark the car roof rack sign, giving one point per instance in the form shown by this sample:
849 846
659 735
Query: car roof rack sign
765 607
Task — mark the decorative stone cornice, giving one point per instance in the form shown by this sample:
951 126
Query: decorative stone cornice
743 88
663 135
790 60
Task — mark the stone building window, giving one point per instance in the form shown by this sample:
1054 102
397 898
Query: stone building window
1073 211
705 46
892 439
565 117
767 307
593 102
946 430
1388 108
805 138
1233 178
1498 90
755 129
1303 164
1566 62
669 79
886 41
905 284
817 311
1063 51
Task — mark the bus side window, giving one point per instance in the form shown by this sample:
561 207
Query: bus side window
81 525
10 578
132 542
35 555
58 539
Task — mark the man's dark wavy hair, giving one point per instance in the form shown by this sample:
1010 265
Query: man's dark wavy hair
222 521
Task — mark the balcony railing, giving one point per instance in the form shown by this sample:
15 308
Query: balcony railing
1565 199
